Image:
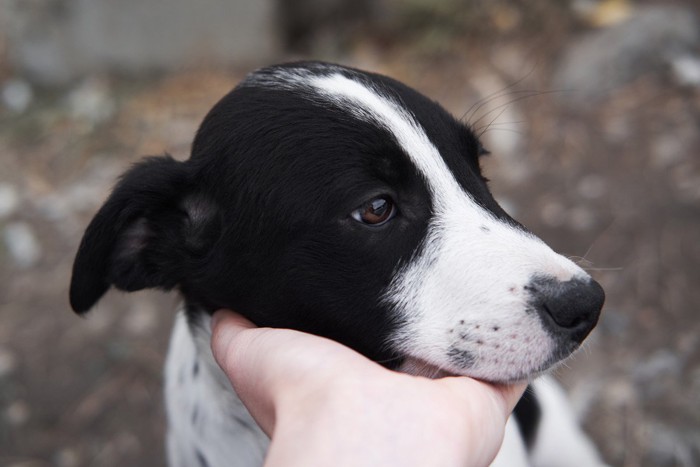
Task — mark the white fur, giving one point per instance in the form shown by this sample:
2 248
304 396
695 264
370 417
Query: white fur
222 430
513 452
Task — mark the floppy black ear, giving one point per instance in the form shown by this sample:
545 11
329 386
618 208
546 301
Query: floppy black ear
152 224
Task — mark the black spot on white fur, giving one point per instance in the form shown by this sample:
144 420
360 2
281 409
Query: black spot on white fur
461 357
195 415
201 459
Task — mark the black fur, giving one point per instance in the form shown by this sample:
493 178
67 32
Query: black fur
291 256
527 414
137 238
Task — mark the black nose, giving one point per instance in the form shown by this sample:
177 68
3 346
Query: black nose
569 309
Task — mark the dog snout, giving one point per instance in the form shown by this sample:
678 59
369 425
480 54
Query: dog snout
569 309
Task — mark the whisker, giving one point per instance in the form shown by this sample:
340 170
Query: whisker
511 122
471 111
604 269
526 94
497 94
481 133
598 237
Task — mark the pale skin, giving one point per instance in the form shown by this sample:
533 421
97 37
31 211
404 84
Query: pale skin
324 404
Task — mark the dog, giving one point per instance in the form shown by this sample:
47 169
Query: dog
345 204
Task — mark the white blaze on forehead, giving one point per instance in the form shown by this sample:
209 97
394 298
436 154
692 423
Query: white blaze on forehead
366 102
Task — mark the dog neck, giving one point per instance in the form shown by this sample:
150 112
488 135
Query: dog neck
208 423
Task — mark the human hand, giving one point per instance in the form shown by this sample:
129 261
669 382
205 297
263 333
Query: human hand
324 404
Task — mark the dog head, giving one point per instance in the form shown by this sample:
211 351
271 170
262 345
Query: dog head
345 204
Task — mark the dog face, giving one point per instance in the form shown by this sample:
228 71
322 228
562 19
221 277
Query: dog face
345 204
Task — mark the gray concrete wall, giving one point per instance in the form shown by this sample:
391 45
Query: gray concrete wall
55 41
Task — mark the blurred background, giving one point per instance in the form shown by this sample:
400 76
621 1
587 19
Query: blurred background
590 108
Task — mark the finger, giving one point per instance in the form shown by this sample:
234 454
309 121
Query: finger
234 348
232 319
499 399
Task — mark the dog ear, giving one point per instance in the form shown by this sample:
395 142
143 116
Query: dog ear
145 234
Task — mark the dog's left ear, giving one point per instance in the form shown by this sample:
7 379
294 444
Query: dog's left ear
153 225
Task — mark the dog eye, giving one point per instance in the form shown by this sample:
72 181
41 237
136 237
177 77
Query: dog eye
375 212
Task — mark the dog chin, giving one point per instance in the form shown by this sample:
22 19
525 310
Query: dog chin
416 367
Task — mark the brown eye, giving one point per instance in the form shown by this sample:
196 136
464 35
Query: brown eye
375 212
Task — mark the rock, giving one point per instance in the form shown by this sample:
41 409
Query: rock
17 95
17 413
686 70
22 244
553 213
649 41
67 457
581 218
614 322
84 195
8 362
669 148
91 101
602 12
9 200
657 375
663 363
592 186
668 447
578 218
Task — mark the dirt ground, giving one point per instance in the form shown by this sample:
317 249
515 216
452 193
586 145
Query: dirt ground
613 181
